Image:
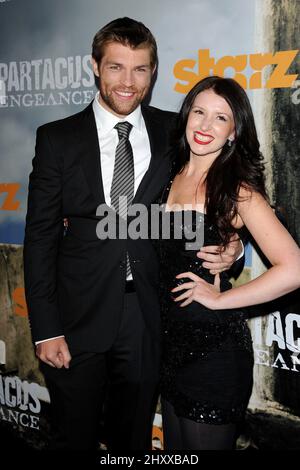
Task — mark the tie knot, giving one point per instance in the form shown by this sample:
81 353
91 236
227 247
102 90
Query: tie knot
123 129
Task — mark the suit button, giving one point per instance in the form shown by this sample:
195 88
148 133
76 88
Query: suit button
134 261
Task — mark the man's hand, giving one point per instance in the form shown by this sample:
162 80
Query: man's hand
216 260
54 352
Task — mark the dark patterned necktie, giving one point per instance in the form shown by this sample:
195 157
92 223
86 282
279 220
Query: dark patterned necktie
122 187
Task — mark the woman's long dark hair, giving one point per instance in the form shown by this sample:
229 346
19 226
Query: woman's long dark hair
238 165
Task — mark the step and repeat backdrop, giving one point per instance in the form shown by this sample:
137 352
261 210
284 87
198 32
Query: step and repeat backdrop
46 74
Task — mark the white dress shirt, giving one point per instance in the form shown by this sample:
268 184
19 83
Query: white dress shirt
108 141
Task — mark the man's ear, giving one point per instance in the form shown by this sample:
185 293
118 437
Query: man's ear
154 69
95 67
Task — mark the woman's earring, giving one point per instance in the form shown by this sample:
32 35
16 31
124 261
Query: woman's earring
229 142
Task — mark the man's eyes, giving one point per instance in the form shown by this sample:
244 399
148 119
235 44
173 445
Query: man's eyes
118 67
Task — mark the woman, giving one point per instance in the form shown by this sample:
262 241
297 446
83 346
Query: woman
206 376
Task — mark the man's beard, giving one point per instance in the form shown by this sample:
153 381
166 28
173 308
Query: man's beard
118 107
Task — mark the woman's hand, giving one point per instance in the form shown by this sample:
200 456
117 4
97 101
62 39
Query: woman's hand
198 290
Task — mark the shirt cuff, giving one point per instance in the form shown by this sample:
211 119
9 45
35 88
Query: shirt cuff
48 339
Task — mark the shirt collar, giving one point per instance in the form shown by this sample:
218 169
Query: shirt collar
106 121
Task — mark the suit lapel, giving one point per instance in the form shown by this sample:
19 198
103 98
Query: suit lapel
88 145
158 150
89 151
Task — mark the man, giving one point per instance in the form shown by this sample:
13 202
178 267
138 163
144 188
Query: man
93 303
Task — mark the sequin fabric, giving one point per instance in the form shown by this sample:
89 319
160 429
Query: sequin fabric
206 371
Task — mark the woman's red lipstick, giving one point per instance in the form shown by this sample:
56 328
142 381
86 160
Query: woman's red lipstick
208 138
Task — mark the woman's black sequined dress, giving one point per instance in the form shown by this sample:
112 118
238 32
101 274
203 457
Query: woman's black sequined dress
207 361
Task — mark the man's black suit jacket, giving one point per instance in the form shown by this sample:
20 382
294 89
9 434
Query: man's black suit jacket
75 282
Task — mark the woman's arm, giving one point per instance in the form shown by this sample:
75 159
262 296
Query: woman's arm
277 245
